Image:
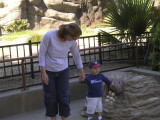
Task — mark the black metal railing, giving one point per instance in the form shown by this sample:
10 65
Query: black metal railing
91 48
110 53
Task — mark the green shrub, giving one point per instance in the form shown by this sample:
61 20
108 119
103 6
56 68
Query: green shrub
155 54
108 38
18 25
35 37
98 24
86 31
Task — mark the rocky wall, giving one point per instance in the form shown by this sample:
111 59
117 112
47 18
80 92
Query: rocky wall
51 13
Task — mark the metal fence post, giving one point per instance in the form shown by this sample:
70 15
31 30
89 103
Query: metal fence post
23 75
99 44
30 52
137 62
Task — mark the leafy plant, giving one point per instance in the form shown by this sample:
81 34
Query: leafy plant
18 25
98 24
130 16
156 17
86 31
35 37
155 54
108 38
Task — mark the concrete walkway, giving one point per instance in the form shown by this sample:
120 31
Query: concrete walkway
76 107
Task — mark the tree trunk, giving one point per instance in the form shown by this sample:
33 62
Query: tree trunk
0 31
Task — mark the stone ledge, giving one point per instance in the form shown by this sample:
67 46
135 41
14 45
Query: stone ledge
32 99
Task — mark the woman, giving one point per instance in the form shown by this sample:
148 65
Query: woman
53 61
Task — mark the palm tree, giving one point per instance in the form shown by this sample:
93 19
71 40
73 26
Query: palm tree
130 16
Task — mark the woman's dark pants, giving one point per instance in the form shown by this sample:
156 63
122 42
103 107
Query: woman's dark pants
56 94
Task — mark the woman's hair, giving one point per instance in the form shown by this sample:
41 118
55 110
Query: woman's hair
69 29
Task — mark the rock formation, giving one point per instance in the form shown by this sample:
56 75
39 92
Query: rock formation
51 13
140 99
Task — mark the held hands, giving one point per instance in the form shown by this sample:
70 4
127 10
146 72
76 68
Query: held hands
82 75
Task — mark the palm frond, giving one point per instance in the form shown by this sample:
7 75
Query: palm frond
130 15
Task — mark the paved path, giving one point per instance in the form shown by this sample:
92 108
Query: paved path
40 114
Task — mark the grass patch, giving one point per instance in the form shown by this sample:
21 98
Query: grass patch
21 34
86 31
99 25
36 35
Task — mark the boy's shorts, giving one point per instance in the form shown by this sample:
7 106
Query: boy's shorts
94 105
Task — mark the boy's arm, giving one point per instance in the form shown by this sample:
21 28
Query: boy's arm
106 80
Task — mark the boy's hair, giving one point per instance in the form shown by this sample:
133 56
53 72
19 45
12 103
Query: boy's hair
71 29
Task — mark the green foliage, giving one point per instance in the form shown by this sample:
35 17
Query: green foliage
156 17
18 25
86 31
108 38
98 24
129 16
22 34
155 54
35 37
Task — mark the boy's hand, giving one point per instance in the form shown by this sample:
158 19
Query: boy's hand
113 84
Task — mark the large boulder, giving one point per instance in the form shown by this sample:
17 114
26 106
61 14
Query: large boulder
139 101
60 15
12 10
119 86
35 2
67 7
49 3
92 11
55 12
37 11
51 23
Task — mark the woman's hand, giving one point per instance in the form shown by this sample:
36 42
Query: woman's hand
45 79
44 76
82 75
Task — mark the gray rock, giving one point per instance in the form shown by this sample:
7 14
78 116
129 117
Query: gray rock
60 15
34 10
119 86
13 10
49 3
50 13
66 7
35 2
140 98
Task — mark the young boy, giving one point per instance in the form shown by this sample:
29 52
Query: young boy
94 94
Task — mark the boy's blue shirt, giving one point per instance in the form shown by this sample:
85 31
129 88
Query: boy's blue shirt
94 83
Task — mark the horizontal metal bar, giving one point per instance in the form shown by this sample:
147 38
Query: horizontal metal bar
15 59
